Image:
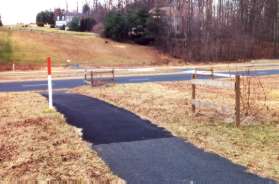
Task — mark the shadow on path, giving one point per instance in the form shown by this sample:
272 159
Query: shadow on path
141 152
103 123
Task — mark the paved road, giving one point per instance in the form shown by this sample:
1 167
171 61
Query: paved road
71 83
66 84
140 152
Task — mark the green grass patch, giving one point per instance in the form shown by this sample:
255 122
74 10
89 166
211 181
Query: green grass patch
6 52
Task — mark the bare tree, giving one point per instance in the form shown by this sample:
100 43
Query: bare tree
213 30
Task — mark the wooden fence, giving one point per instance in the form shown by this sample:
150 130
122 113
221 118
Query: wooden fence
228 85
99 77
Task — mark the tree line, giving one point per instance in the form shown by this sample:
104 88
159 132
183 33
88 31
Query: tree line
193 29
211 29
221 30
45 17
81 22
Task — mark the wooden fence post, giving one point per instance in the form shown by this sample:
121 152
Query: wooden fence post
85 75
92 78
237 100
113 75
193 94
212 73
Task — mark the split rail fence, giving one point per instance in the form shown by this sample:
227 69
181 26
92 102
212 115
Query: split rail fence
99 77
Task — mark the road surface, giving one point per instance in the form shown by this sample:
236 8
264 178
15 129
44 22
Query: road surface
183 75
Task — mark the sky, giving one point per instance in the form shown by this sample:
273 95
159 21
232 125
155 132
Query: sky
25 11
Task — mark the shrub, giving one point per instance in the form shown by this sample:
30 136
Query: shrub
74 25
137 17
87 23
116 26
40 19
45 17
135 24
51 19
1 24
144 40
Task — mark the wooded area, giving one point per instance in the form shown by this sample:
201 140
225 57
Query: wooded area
222 29
213 29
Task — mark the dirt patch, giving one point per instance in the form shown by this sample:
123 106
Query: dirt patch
37 145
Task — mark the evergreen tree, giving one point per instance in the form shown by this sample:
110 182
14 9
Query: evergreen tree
1 24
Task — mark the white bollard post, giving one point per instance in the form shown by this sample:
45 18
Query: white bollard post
50 100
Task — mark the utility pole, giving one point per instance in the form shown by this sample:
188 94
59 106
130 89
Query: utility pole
67 6
77 6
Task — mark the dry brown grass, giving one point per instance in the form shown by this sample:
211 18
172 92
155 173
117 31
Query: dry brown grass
254 145
34 46
37 145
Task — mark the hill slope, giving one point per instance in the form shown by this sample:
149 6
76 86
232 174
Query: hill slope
29 46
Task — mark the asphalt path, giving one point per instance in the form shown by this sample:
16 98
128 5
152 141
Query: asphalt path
140 152
183 75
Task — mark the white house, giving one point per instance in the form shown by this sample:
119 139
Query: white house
63 19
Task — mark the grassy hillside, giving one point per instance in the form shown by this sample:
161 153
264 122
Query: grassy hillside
32 46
